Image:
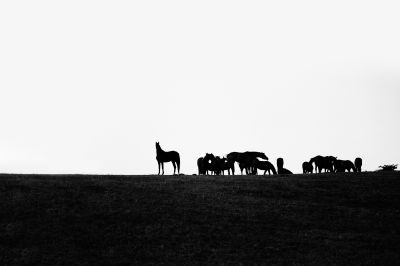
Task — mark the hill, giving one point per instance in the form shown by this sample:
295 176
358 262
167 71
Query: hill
300 219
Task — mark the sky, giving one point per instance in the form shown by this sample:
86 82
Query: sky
90 86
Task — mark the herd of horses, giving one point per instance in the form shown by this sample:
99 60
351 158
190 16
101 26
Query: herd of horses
250 162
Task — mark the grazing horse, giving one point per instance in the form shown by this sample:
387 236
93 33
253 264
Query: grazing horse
342 165
245 159
281 170
323 162
264 165
358 164
307 168
167 156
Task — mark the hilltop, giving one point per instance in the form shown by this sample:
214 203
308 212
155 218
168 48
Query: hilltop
303 219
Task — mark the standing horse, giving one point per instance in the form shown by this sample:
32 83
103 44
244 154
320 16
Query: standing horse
201 166
167 156
224 164
307 168
323 162
210 164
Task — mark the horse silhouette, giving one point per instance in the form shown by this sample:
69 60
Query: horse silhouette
224 165
342 165
167 156
307 168
264 165
248 166
245 159
358 164
218 164
281 170
244 164
201 166
207 161
323 162
211 164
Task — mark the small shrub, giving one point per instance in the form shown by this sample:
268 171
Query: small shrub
388 167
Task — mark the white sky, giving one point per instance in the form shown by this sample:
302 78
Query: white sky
90 86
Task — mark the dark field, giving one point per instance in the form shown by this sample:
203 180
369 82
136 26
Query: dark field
93 220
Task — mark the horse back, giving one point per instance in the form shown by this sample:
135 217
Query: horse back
168 156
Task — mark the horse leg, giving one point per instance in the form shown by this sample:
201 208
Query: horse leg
158 168
162 166
174 165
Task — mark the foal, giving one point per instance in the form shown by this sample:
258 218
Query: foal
167 156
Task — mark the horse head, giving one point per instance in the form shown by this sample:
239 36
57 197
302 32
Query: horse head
209 156
158 147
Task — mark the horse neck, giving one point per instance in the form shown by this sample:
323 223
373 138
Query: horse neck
159 150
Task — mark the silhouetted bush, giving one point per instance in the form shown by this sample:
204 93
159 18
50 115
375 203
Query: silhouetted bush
388 167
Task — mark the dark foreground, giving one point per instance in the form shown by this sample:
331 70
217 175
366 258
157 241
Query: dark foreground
98 220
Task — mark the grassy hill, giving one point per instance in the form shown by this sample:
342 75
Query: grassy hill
312 219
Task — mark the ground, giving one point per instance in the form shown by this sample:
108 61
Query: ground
300 219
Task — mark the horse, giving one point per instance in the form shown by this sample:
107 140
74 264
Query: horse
224 164
323 162
217 165
201 166
358 164
245 159
167 156
343 165
264 165
211 163
247 165
307 168
281 170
